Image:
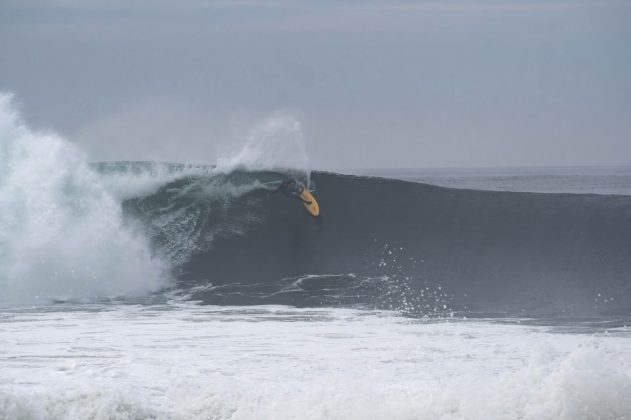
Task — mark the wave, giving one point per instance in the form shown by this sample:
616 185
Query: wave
390 243
74 231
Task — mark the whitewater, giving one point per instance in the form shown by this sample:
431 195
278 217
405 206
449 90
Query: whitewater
147 290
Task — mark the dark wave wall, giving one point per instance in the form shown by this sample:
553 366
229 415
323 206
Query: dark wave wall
514 253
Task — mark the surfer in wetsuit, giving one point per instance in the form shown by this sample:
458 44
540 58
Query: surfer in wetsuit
292 189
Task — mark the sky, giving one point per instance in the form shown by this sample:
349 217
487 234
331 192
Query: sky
374 84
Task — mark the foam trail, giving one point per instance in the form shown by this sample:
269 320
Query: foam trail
62 235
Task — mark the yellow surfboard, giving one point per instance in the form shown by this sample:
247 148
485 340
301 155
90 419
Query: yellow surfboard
312 208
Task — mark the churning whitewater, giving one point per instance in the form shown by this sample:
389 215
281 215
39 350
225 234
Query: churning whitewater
148 290
62 234
184 361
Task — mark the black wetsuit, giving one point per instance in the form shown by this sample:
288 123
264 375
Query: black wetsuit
292 189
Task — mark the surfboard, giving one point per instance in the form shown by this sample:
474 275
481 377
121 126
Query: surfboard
312 208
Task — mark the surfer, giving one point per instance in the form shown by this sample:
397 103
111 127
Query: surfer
292 189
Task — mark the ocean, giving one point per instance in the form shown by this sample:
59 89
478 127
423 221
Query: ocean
148 290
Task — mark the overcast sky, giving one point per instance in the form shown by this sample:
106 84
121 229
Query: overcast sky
374 83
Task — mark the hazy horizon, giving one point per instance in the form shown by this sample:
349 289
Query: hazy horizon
374 84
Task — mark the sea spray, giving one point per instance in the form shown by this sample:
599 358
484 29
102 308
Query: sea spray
62 235
276 144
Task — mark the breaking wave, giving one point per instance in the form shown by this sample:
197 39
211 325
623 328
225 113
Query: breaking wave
62 234
390 244
72 230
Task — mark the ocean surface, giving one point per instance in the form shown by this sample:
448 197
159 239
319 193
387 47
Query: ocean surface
569 179
148 290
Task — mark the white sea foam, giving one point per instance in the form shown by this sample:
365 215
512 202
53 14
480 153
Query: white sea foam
62 235
182 361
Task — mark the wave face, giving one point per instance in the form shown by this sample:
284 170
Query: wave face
392 244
